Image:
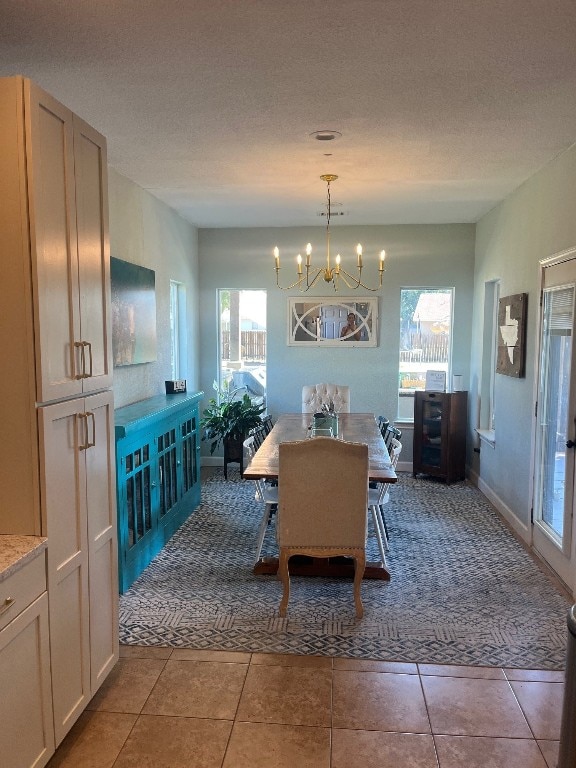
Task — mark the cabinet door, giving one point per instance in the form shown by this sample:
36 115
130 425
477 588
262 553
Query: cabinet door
80 514
102 537
435 419
63 429
93 256
68 209
26 714
53 243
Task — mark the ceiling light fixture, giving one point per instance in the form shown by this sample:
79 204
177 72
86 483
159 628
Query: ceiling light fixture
331 274
326 135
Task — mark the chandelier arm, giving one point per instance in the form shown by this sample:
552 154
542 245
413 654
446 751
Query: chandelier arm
309 285
357 281
288 287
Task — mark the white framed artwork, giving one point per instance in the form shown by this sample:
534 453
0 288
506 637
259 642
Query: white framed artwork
332 322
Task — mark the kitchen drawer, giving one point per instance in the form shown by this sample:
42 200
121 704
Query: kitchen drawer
21 588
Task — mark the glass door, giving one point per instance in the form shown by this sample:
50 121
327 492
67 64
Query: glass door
555 424
432 432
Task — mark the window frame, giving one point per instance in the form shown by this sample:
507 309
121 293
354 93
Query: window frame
401 416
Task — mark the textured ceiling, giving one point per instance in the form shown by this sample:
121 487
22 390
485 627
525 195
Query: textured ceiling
445 106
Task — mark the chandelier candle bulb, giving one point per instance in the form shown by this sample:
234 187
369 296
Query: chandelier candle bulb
277 257
382 257
337 263
299 260
359 252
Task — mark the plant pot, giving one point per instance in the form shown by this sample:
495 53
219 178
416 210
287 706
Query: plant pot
233 453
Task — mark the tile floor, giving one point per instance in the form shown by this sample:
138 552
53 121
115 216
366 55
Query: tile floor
177 708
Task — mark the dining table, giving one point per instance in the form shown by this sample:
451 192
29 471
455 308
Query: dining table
352 427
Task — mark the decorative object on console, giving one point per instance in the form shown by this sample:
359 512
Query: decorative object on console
330 273
511 358
172 387
435 381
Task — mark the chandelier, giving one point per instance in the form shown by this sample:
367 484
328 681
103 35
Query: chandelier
330 273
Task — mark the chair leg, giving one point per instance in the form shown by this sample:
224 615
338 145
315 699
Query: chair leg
384 501
262 529
378 535
284 576
360 566
383 516
382 523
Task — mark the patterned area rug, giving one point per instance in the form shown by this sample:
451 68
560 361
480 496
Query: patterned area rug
463 590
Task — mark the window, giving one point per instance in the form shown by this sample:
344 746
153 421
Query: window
487 424
242 319
178 340
425 341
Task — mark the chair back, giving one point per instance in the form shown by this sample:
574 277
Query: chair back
314 396
249 447
394 450
322 493
383 424
391 433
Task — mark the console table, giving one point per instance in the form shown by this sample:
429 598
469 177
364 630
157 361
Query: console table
157 475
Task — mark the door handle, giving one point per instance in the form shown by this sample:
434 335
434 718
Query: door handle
80 345
88 443
570 444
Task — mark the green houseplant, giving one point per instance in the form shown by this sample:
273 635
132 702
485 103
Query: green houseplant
228 419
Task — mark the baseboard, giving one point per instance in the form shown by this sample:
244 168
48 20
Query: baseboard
404 466
211 461
523 531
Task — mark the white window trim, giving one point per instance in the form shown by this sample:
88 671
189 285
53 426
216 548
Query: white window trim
405 421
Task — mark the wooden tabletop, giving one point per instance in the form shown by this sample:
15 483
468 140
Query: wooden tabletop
352 427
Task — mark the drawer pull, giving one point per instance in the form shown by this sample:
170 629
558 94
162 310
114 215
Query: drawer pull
8 603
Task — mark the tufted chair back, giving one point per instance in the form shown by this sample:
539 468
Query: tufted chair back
315 395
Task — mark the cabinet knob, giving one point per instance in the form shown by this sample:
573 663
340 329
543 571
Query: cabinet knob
8 603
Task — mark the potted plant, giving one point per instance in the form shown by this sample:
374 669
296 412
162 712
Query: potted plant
228 419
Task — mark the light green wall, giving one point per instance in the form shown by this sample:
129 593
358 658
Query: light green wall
421 255
144 231
536 221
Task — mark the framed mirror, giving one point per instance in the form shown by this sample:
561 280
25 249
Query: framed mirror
330 322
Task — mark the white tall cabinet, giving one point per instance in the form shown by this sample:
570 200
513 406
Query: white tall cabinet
57 456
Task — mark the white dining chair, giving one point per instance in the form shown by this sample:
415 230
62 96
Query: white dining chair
264 493
378 496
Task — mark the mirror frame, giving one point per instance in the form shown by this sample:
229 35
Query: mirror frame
302 307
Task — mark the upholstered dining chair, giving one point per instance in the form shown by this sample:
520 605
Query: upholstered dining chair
314 396
322 501
266 494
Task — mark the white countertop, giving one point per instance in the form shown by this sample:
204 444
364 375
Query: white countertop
16 551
